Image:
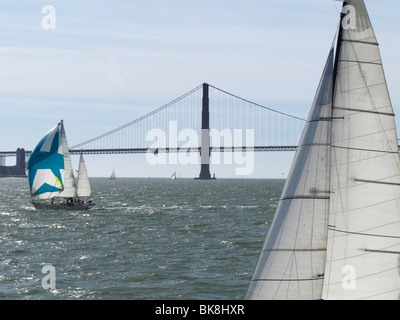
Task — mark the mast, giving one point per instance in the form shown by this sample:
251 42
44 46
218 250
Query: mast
338 46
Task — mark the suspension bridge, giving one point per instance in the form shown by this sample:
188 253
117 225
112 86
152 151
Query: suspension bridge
205 120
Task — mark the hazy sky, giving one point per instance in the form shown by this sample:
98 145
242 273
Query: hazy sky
108 62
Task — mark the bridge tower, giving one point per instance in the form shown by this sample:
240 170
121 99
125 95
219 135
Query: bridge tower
205 136
14 171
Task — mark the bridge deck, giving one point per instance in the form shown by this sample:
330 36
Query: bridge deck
164 150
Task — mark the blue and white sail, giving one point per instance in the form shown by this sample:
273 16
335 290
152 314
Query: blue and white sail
46 166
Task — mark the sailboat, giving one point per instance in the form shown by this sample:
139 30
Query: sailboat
112 177
336 231
50 175
173 177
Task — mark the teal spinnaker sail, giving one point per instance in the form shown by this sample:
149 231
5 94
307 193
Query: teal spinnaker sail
46 166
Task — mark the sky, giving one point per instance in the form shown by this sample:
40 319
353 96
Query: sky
106 63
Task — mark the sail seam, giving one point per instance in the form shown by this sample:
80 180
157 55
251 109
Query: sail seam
320 119
378 182
366 62
326 119
294 250
368 150
314 145
362 42
365 234
366 111
306 198
288 280
382 251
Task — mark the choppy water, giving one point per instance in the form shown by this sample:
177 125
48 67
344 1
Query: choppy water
145 239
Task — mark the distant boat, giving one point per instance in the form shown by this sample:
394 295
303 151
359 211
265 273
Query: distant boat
113 175
173 177
51 178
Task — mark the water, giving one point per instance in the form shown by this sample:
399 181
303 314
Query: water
145 239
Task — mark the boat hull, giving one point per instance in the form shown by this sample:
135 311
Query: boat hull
62 206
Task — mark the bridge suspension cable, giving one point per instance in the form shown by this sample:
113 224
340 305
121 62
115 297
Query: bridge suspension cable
227 112
138 119
257 104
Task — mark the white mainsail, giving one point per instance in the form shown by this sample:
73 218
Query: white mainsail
336 232
83 185
69 180
364 218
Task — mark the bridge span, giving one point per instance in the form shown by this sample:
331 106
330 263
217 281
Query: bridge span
189 123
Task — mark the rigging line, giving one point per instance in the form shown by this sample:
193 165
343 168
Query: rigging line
140 118
258 105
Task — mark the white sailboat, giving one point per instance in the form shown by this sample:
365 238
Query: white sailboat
173 177
83 188
112 177
51 178
336 231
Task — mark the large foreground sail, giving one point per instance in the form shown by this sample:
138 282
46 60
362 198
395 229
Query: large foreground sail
364 219
336 232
